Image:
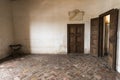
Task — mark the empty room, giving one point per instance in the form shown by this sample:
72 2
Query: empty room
59 39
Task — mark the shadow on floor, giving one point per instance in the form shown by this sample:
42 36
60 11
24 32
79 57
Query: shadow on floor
12 57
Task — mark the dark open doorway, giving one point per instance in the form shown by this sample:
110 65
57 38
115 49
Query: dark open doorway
75 38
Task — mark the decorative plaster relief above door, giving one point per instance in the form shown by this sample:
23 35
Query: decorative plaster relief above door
76 15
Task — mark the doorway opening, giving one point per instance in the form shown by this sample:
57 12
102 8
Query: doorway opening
106 29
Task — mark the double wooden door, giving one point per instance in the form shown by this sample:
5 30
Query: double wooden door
75 38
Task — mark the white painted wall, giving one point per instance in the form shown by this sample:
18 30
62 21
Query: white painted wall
6 30
118 46
41 25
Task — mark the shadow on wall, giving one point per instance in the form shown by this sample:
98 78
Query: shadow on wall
21 16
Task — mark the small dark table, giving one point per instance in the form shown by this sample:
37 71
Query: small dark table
16 49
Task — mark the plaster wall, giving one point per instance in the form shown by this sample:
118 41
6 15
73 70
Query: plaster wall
6 30
41 25
118 46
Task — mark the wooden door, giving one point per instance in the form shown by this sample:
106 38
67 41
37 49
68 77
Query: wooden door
94 36
111 57
71 38
113 38
75 38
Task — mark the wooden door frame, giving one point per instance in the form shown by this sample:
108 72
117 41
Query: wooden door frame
101 31
68 52
101 35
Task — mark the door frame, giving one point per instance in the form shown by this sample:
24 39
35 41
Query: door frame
101 31
68 52
100 50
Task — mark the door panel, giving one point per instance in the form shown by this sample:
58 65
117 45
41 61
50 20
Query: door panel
72 30
75 38
80 39
94 36
72 40
113 38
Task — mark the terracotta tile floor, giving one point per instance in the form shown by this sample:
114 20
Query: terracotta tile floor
56 67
